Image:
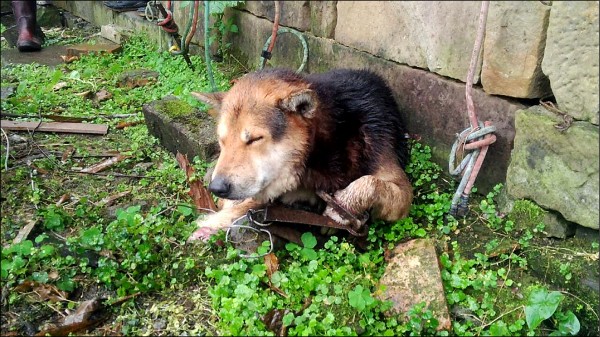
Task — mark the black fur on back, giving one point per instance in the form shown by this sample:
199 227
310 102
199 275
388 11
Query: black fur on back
356 120
364 120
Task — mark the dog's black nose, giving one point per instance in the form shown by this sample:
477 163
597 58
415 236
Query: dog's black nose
220 187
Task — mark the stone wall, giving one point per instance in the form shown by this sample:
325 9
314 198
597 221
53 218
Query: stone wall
535 50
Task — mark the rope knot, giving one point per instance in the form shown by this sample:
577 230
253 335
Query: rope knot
476 141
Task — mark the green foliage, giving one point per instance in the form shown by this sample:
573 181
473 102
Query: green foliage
331 289
421 320
542 305
222 27
360 298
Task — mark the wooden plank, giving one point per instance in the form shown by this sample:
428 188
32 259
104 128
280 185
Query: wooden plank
95 129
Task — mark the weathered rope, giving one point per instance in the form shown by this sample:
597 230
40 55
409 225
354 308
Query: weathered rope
270 43
476 138
300 37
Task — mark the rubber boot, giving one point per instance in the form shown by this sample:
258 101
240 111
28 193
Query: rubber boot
30 35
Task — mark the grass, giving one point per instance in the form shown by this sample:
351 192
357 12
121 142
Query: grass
134 251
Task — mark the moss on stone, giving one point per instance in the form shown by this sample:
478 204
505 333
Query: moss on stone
526 214
175 108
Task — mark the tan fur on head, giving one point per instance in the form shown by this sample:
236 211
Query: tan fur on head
262 132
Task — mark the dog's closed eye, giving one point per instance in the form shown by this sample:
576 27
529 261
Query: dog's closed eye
253 140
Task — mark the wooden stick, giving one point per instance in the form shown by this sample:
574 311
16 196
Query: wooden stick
104 164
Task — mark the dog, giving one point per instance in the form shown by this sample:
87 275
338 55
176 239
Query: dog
284 136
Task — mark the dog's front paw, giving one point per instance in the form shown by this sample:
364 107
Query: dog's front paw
203 234
208 227
331 213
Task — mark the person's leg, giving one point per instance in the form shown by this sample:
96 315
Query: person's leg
25 17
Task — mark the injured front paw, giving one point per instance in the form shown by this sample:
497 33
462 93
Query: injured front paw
203 234
208 227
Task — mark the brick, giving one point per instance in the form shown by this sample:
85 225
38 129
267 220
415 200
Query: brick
413 276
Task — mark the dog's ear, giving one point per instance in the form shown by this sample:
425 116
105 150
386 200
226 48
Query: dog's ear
213 99
303 102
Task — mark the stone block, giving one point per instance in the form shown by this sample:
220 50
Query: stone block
323 18
434 107
84 48
48 16
181 128
557 170
98 14
115 33
557 227
435 35
294 14
571 57
413 276
513 50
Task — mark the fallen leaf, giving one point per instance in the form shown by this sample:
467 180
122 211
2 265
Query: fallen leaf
83 312
44 291
274 318
87 314
200 196
274 321
122 125
63 198
272 264
24 232
59 85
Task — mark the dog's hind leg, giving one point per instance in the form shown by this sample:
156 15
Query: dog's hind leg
231 211
387 193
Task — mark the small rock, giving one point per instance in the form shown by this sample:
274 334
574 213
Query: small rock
413 276
160 324
7 91
79 49
115 33
137 78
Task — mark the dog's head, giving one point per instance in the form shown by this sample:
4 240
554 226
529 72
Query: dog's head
264 134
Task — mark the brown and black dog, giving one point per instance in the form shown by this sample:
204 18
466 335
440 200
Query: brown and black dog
283 136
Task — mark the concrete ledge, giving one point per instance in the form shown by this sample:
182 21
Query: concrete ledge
181 128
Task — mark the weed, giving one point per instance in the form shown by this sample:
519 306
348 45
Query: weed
139 245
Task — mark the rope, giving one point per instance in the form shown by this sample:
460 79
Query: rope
270 43
476 138
206 47
300 37
266 53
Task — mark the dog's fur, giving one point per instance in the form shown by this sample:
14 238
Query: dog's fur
284 136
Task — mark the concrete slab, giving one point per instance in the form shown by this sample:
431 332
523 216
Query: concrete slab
181 128
49 56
